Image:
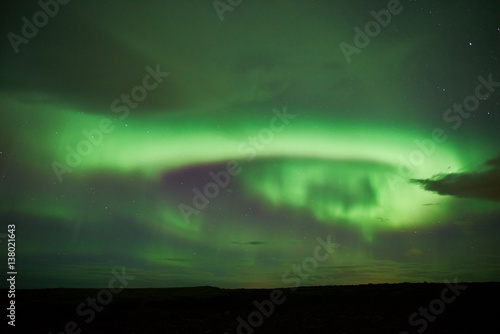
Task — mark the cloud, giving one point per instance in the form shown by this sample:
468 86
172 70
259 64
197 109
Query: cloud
253 243
483 184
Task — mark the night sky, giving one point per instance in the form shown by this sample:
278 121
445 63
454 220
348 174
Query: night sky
193 151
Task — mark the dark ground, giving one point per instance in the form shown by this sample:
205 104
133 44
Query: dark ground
380 308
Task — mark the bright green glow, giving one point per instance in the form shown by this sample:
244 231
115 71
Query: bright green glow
341 173
151 146
352 177
342 192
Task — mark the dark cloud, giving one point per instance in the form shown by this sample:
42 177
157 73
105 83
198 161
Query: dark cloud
484 184
253 243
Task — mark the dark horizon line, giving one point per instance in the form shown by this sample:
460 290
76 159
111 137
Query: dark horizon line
282 288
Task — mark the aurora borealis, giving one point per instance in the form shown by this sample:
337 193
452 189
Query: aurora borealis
97 173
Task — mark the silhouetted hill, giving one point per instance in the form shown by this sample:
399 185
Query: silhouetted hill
377 308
